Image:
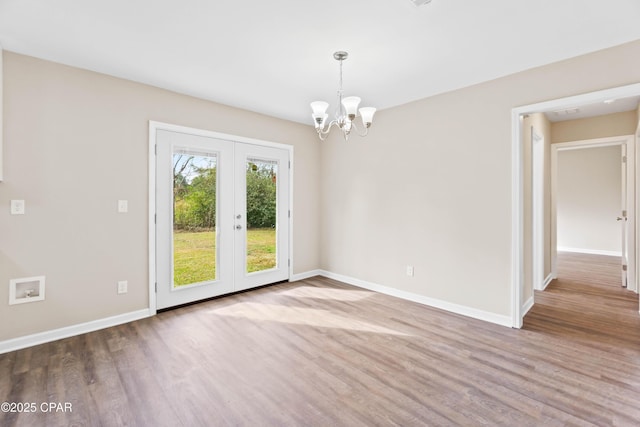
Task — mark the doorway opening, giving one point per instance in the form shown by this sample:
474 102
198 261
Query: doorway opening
598 195
219 212
523 245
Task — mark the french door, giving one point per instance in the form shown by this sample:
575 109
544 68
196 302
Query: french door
222 216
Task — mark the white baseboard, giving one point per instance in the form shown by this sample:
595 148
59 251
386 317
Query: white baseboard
527 306
590 251
545 282
305 275
431 302
69 331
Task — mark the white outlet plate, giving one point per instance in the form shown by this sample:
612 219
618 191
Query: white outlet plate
410 270
17 207
123 206
123 287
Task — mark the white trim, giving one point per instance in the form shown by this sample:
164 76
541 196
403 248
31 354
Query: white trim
431 302
70 331
589 251
537 208
1 113
517 205
527 306
636 205
609 141
151 209
305 275
517 219
290 211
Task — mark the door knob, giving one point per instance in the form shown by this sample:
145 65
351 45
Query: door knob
238 227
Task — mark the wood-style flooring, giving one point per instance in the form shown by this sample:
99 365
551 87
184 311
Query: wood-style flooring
321 353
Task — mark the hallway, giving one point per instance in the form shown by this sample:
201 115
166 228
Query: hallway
586 304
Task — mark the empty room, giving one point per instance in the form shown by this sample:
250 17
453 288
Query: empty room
349 213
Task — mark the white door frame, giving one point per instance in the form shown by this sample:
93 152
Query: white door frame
627 140
537 207
517 190
154 126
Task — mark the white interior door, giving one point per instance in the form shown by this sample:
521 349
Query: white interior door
627 217
623 216
222 217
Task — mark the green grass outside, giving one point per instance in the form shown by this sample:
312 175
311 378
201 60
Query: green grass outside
194 254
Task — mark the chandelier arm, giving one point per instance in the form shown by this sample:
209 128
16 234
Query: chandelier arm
323 132
354 126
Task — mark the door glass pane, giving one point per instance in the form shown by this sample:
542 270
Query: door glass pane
262 183
194 217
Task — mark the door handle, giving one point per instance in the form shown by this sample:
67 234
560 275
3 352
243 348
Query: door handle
621 218
238 227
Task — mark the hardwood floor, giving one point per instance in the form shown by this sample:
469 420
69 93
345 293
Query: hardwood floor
320 353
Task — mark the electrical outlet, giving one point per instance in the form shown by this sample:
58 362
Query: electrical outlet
123 287
410 270
123 206
17 207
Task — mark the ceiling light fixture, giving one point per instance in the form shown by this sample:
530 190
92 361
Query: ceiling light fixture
346 112
420 2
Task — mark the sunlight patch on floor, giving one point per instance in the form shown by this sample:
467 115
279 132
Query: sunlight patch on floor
300 316
326 293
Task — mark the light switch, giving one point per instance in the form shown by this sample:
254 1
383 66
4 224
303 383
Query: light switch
123 206
123 287
17 207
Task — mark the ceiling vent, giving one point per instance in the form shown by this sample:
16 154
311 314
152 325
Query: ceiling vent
420 2
567 112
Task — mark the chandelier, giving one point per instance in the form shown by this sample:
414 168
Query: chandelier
346 111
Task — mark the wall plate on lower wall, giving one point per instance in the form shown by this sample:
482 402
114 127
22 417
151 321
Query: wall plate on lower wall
27 289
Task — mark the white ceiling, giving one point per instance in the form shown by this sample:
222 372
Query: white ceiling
275 57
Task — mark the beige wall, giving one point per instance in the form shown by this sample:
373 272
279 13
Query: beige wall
76 142
589 199
594 127
431 184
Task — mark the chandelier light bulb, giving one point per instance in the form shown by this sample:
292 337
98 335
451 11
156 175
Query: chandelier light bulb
367 115
350 104
319 107
319 114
